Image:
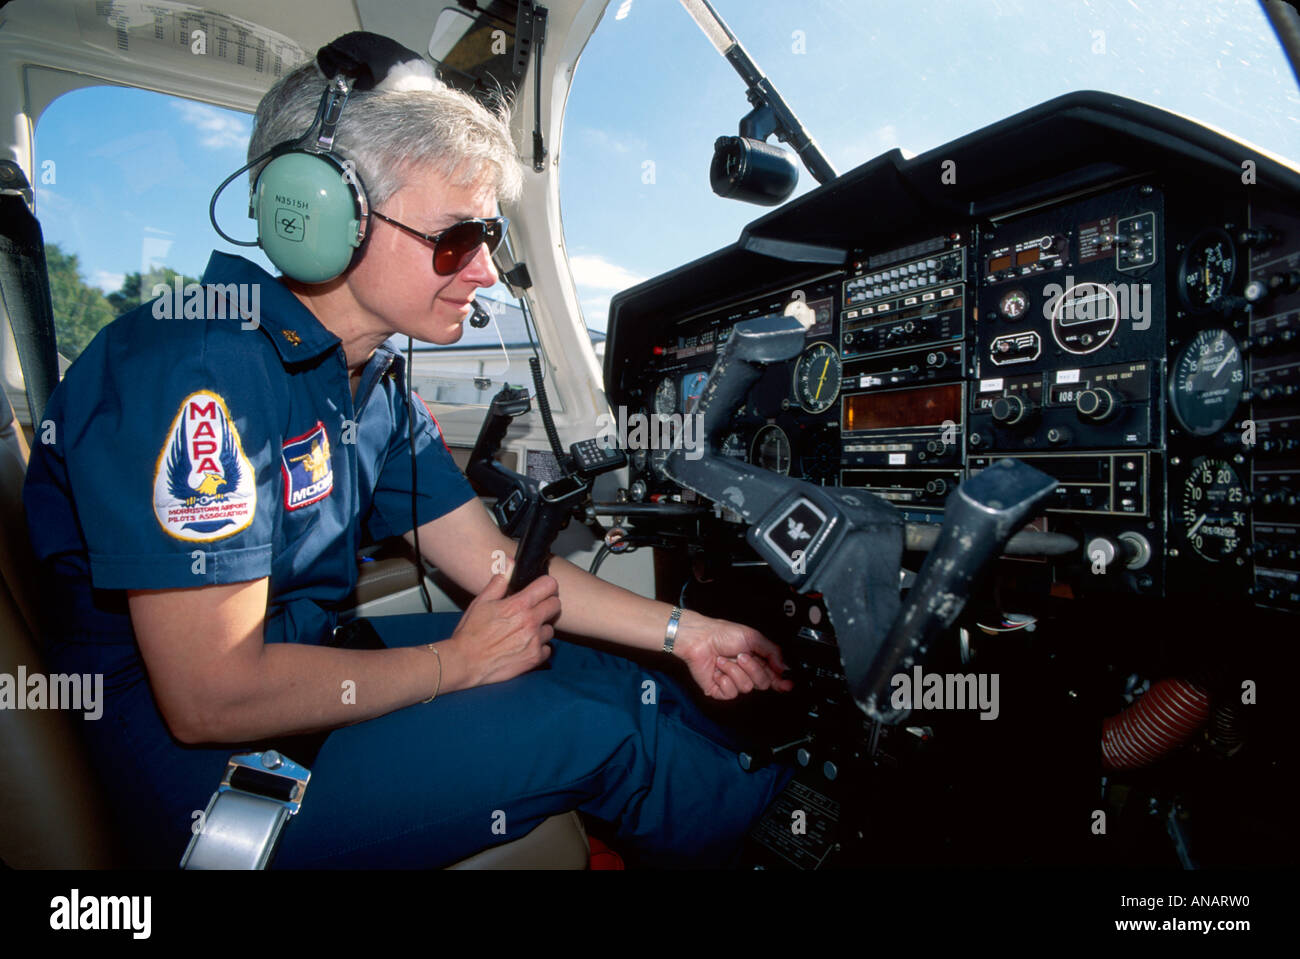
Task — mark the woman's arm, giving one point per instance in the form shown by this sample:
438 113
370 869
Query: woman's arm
725 658
216 680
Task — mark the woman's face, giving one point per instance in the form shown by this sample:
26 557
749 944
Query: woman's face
395 280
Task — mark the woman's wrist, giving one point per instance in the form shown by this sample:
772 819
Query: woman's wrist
452 664
691 628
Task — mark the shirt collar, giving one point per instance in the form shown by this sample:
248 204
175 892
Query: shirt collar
293 328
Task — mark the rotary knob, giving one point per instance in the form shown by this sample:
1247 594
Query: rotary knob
1096 405
1010 410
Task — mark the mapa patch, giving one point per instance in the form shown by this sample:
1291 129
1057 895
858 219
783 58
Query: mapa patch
308 473
203 486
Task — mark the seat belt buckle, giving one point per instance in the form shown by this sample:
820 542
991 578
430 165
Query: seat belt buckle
241 827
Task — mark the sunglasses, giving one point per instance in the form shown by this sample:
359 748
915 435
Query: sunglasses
455 246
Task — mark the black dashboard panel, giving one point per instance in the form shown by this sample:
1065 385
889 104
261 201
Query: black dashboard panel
1105 291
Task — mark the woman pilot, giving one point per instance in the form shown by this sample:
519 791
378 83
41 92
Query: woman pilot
199 515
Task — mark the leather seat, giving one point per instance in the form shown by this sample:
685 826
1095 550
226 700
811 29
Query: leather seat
52 810
52 814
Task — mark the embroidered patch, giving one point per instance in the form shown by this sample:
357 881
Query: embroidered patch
308 472
203 485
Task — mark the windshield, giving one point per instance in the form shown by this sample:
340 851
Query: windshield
650 96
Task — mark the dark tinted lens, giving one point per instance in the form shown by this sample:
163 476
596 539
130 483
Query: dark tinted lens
457 246
460 242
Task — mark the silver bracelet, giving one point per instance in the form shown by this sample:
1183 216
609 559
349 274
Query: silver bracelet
671 633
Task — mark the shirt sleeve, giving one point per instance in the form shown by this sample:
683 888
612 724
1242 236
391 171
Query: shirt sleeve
166 444
440 485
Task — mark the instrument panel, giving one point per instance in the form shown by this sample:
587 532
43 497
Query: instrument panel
1100 295
1127 331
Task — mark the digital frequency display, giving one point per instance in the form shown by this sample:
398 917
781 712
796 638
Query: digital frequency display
903 409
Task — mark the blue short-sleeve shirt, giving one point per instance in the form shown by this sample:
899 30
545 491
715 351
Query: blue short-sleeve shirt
211 436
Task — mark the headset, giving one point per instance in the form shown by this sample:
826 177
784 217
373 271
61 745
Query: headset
310 204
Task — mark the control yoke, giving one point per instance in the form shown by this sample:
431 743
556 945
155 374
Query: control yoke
847 544
536 511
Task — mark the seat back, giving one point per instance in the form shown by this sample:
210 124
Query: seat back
52 811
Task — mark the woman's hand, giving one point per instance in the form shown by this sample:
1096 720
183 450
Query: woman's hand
500 637
728 659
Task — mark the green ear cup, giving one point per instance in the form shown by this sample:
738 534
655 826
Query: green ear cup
309 215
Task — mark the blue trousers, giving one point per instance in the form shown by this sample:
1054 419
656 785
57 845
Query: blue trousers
430 784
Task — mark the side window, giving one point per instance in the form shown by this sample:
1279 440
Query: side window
123 181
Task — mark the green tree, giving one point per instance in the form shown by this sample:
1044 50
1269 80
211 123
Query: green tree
80 310
138 288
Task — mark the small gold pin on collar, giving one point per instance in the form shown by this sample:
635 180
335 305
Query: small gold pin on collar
293 338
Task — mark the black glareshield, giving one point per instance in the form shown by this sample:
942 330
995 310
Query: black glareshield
847 543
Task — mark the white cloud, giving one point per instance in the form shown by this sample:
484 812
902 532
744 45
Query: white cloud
604 140
106 281
596 273
218 129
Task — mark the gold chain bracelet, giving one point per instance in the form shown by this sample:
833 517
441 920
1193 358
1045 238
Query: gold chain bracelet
431 648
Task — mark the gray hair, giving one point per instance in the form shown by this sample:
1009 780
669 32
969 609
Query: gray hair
386 133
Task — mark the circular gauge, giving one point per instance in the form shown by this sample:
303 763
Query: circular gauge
1085 317
639 458
819 456
666 396
1207 270
692 388
817 377
1212 512
1205 382
771 450
733 445
1013 304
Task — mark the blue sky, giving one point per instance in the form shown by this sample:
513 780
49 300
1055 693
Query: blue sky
133 171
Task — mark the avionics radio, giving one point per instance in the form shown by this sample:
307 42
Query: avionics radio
912 296
1113 483
919 426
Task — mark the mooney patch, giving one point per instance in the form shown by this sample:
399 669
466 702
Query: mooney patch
308 473
203 487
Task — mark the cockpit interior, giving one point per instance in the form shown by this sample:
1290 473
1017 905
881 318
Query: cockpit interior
998 441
